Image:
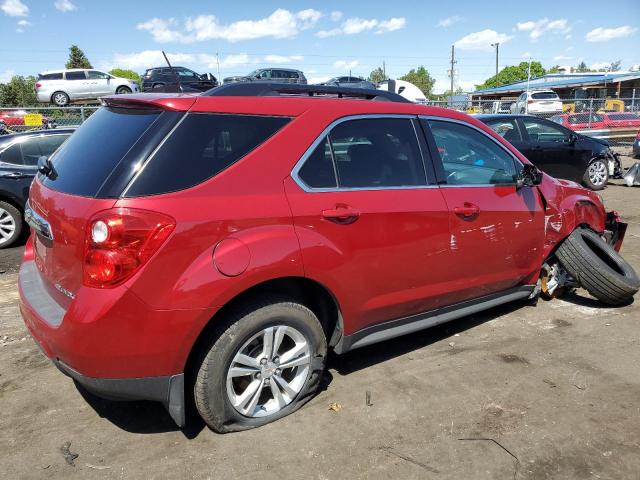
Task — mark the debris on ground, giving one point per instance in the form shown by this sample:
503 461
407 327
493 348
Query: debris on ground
551 383
335 407
68 455
368 399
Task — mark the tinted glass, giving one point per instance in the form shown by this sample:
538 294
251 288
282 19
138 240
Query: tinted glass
183 72
584 118
623 116
95 75
506 129
12 155
188 158
317 171
31 151
544 96
544 132
377 152
50 143
75 76
470 157
50 76
93 151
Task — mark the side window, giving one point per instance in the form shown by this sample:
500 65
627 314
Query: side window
318 171
50 143
377 152
12 155
31 151
95 75
539 131
264 74
507 129
75 75
470 157
186 73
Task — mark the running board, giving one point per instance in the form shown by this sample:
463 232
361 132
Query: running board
420 321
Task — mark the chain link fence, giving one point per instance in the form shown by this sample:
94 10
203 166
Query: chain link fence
13 120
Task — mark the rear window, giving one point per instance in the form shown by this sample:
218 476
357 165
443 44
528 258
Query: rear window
50 76
584 118
544 96
202 146
85 161
623 116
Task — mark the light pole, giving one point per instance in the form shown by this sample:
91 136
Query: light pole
497 45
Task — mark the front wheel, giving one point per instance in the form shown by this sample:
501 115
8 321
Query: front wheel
265 365
597 174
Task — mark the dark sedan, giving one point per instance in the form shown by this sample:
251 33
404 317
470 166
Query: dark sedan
19 154
556 150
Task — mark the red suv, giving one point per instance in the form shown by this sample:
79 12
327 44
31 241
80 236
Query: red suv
212 248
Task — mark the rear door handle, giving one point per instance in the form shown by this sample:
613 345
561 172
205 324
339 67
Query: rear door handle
468 210
342 214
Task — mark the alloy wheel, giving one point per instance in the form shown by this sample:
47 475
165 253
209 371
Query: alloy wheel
268 371
60 99
7 226
597 173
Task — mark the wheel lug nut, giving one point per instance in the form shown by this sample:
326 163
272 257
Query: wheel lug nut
258 375
278 371
263 361
276 359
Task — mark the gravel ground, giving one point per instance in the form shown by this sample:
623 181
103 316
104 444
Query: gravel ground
550 391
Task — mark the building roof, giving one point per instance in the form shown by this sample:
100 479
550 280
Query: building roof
561 80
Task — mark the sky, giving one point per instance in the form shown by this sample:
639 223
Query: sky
323 39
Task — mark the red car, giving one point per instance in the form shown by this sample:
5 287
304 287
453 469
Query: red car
221 243
621 120
580 121
14 120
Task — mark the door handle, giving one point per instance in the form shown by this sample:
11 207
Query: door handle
14 175
342 214
467 211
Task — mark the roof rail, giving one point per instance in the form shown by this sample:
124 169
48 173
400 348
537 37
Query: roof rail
267 89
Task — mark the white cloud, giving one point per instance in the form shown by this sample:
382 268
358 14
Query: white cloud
447 22
345 65
601 66
14 8
6 76
526 55
538 28
336 15
25 23
280 24
283 58
602 34
482 40
65 6
352 26
562 57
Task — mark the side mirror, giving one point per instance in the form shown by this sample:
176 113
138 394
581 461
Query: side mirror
45 167
529 176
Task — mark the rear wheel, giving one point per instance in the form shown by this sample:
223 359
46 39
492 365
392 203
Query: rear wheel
265 365
123 90
60 98
598 267
10 224
597 174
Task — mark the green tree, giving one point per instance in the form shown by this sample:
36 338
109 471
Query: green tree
582 67
77 58
124 73
19 92
512 74
420 78
554 69
615 66
377 75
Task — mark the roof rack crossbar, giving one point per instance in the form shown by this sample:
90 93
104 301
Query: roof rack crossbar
268 89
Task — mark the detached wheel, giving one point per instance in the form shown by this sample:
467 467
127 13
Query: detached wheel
598 267
597 174
60 98
10 224
265 365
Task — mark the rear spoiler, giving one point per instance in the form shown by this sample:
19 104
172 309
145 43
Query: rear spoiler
151 101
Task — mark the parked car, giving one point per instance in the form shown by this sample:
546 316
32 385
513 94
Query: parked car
290 225
62 87
280 75
165 79
556 150
14 120
537 102
19 154
621 120
580 121
356 82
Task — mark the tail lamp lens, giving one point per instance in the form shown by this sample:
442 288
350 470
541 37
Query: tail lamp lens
529 102
38 85
119 241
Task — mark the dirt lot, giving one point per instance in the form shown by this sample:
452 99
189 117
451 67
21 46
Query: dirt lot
551 391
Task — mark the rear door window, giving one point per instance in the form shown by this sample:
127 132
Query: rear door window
187 159
75 75
85 161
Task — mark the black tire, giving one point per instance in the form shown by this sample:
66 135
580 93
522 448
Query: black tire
60 99
602 180
598 267
210 388
7 210
123 90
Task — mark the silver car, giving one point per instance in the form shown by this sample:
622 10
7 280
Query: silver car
65 86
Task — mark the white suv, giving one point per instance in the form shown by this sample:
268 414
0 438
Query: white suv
537 101
65 86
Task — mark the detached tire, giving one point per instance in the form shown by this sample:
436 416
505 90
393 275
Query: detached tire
598 267
264 366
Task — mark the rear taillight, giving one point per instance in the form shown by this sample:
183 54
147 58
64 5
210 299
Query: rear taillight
119 241
638 135
38 85
529 102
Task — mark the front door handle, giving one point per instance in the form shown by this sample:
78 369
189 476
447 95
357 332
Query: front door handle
468 210
342 214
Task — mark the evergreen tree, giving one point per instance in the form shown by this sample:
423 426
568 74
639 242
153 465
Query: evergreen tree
77 58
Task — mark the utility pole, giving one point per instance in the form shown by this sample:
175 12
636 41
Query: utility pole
497 45
526 105
452 72
218 65
384 69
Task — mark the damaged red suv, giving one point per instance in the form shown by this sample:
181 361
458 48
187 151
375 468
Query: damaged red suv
212 248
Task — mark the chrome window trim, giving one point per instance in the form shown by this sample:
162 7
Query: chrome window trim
502 147
325 133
